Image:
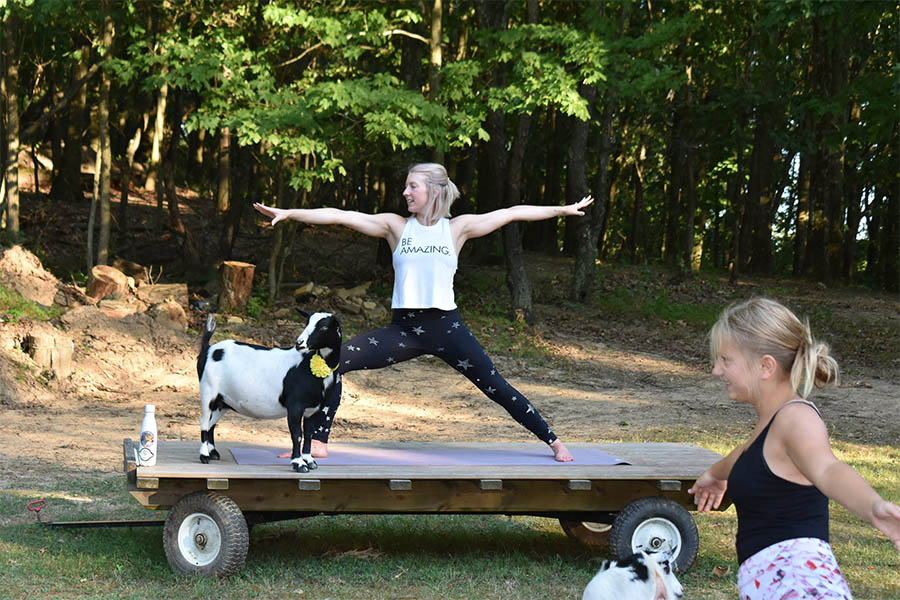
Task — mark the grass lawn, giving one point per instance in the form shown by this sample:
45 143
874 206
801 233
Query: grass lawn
361 556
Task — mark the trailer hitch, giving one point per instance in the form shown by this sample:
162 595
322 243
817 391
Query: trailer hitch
36 506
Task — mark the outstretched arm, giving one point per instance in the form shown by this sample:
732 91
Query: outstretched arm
467 227
808 448
384 225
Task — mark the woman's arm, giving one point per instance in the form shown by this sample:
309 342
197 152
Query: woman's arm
384 225
467 227
807 446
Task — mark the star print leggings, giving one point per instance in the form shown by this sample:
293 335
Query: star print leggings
414 332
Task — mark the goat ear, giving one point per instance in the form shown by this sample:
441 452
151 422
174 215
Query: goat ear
304 313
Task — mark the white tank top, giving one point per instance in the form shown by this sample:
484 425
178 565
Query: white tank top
424 265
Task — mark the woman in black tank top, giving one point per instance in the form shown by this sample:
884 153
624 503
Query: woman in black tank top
781 478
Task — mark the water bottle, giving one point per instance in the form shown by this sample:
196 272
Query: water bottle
147 450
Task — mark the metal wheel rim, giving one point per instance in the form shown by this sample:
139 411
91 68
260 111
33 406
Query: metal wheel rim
199 539
596 527
656 535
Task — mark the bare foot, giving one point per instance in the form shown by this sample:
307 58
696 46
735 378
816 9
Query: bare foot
560 452
318 450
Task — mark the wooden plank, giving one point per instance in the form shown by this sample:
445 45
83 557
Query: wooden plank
648 461
426 496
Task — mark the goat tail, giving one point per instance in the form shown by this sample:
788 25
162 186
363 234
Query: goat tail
204 345
207 333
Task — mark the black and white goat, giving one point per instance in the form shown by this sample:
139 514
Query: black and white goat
641 576
268 383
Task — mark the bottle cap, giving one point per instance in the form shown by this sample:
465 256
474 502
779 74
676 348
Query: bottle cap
149 408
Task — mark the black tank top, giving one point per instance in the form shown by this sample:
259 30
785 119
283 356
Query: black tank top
771 509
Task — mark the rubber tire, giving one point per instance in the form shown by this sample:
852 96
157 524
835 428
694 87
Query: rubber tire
655 515
592 535
218 515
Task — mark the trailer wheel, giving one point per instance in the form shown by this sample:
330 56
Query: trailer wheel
655 525
591 534
206 534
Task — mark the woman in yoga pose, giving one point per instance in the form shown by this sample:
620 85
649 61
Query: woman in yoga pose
425 247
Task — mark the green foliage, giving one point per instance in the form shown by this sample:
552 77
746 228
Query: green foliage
14 307
258 301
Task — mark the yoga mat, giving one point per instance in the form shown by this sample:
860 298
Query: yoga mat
440 457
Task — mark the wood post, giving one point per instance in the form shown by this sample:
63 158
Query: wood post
237 283
49 351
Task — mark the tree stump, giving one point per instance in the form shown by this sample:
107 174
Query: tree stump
105 281
237 283
51 352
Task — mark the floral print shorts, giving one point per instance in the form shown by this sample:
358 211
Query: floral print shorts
797 569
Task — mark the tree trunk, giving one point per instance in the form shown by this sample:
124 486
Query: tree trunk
93 212
829 75
516 274
11 89
675 158
434 64
223 173
755 229
585 228
67 185
873 226
737 202
802 221
189 252
103 132
890 250
690 193
635 233
130 151
242 177
542 236
156 138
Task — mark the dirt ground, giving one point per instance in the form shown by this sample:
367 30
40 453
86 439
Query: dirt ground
610 377
603 384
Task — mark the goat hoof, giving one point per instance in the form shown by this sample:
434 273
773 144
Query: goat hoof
214 454
301 468
204 459
312 465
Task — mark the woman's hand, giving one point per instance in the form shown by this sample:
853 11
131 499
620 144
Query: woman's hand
886 518
576 210
708 492
276 214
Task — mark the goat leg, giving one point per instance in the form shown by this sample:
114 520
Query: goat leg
295 424
306 453
211 439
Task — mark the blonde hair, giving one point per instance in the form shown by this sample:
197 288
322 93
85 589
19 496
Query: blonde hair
441 191
762 326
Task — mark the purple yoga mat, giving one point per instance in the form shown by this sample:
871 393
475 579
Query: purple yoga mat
442 456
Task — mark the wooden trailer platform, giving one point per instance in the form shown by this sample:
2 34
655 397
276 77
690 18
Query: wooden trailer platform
646 501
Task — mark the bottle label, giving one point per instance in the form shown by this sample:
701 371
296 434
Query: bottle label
147 440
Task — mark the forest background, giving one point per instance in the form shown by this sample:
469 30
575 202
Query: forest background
734 149
757 137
